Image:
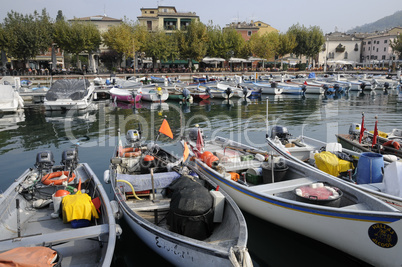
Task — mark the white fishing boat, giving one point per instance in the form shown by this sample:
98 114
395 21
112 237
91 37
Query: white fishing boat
62 211
268 88
290 89
286 193
153 94
69 94
124 95
215 93
10 99
340 162
242 92
174 209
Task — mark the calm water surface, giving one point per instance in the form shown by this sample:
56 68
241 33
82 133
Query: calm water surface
26 133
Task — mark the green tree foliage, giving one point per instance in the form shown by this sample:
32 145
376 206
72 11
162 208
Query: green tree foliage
287 43
300 34
27 35
161 46
264 46
193 43
233 41
309 40
216 43
77 37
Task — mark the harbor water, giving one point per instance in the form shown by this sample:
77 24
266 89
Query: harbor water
24 134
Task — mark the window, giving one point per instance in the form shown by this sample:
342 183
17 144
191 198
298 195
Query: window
369 48
346 55
356 47
149 25
377 50
152 12
385 49
249 33
385 41
364 49
259 24
364 43
369 42
383 57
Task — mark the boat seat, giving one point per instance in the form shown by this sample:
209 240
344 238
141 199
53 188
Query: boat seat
149 205
43 239
283 186
359 206
242 165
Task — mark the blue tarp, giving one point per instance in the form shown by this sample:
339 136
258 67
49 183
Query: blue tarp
311 75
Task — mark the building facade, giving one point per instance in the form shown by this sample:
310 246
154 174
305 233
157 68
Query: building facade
340 49
165 18
244 28
264 27
376 49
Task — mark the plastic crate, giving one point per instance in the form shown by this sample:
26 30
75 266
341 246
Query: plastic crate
254 179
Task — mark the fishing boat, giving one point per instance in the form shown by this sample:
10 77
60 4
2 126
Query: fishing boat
175 210
60 209
124 95
268 88
69 94
290 89
216 93
359 140
363 170
10 99
153 94
288 194
242 91
180 94
158 79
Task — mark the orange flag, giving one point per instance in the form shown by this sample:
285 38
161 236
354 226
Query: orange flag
186 152
165 129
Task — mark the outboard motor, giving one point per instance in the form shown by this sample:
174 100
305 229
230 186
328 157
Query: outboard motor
386 85
69 158
337 88
273 85
44 160
362 85
281 132
354 129
186 93
193 133
245 91
133 137
304 88
228 91
325 87
208 90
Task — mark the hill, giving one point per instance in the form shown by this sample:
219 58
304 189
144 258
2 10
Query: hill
387 22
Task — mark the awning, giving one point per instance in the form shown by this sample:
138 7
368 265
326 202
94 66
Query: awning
185 20
178 61
255 59
237 60
212 60
169 19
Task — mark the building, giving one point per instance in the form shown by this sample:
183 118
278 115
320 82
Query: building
340 49
376 49
264 27
165 18
244 28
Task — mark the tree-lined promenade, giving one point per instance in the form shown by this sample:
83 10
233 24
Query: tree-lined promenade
23 37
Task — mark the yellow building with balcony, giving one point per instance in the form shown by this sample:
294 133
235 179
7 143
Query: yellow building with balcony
165 18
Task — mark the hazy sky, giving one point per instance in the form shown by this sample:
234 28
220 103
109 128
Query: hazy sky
281 14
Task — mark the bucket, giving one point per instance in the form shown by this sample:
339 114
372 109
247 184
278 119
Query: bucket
369 168
279 173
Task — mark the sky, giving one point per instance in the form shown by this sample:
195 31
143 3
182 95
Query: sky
341 15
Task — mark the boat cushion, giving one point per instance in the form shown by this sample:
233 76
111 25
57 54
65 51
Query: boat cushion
331 164
28 256
78 207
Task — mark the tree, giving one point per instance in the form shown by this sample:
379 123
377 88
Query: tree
287 43
161 46
27 36
300 34
233 42
216 43
264 46
396 45
77 37
125 39
193 43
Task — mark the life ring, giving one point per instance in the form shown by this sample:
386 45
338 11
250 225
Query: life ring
129 152
396 145
47 179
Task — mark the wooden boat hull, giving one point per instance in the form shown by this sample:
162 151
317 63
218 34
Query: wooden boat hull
344 228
